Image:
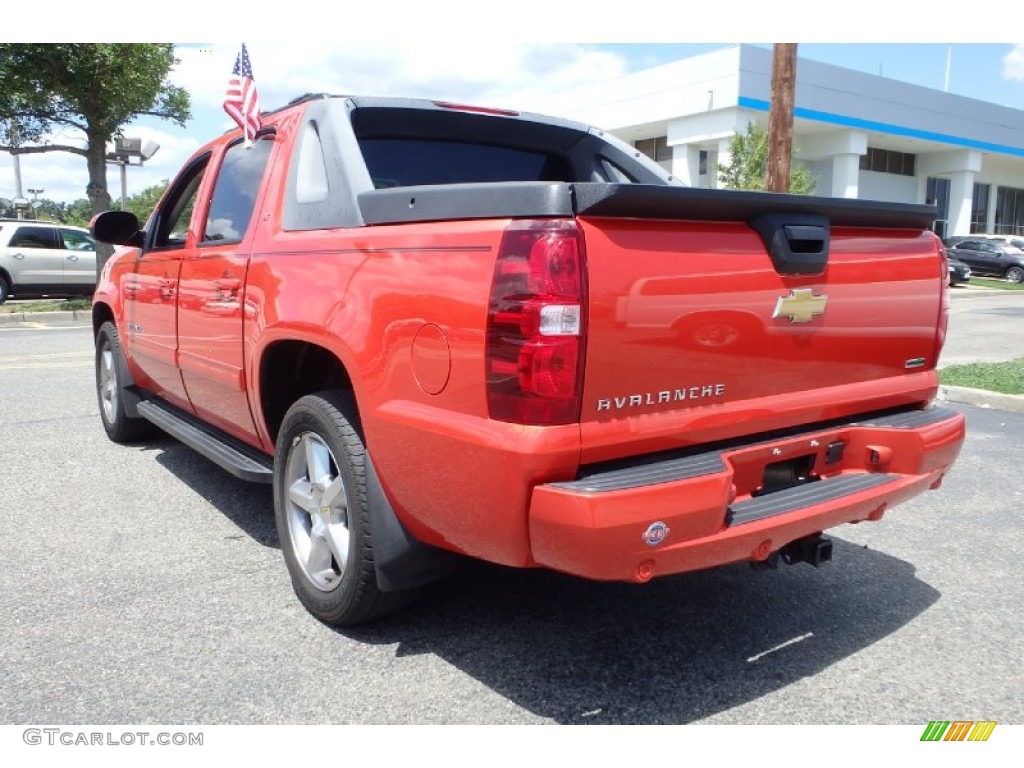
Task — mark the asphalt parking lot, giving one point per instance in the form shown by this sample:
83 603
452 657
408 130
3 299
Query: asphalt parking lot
142 584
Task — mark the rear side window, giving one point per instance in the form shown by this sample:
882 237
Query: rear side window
614 173
411 162
35 237
311 184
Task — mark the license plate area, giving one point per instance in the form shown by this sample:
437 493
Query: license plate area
788 473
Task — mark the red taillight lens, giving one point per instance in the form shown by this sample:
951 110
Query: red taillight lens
536 324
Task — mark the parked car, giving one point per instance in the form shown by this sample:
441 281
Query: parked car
991 257
953 240
1015 240
41 258
958 272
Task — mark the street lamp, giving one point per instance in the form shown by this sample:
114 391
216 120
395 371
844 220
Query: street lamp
124 150
35 199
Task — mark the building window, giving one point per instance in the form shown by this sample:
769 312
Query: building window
937 194
1010 211
887 161
979 208
656 149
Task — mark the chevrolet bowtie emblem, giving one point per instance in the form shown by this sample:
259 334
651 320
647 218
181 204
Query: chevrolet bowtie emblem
800 306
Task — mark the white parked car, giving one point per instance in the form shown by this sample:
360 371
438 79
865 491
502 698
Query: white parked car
40 258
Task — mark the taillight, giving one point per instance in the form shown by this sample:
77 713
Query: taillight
536 324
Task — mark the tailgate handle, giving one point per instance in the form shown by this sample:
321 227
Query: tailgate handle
797 243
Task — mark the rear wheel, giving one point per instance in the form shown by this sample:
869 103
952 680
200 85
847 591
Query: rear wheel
1015 274
5 289
322 513
110 389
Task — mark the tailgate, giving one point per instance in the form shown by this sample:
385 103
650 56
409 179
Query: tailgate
694 335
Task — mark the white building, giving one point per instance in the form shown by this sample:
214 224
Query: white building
861 135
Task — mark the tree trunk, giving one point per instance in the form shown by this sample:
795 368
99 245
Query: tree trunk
780 117
99 198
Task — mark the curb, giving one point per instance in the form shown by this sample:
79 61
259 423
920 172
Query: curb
31 317
982 398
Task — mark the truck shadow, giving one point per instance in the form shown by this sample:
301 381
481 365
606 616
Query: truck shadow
673 651
669 652
250 506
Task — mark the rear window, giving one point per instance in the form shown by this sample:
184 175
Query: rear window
412 162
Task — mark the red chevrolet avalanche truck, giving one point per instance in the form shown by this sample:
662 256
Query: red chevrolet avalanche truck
440 330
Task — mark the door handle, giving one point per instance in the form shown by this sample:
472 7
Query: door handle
72 257
227 284
18 256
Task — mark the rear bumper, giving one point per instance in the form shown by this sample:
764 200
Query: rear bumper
685 511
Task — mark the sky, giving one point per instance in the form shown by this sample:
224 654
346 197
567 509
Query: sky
447 50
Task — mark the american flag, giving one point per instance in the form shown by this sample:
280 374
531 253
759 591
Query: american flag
241 101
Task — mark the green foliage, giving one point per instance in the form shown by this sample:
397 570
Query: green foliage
79 213
91 88
143 203
749 166
985 282
1007 377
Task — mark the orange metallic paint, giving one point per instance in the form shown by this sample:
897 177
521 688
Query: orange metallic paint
670 305
600 535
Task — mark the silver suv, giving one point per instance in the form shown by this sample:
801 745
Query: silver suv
40 258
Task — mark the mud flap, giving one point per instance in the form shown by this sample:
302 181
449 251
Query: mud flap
401 561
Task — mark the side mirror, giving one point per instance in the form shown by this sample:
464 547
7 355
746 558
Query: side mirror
118 228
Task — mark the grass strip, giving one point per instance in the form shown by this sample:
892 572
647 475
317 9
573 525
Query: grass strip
988 282
46 305
1005 377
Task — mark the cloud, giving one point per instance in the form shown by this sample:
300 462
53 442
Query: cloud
1013 64
469 70
486 73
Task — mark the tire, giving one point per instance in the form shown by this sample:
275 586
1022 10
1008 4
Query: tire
1015 274
322 513
119 427
5 289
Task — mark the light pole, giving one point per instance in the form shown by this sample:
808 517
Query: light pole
124 150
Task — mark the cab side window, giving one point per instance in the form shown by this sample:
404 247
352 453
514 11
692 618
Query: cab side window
172 219
234 193
35 237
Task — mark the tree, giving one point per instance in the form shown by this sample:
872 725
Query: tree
92 88
750 161
143 203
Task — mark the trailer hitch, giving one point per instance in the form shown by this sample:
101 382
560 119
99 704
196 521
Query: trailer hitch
814 550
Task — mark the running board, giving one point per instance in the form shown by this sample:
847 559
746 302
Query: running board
223 450
801 496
